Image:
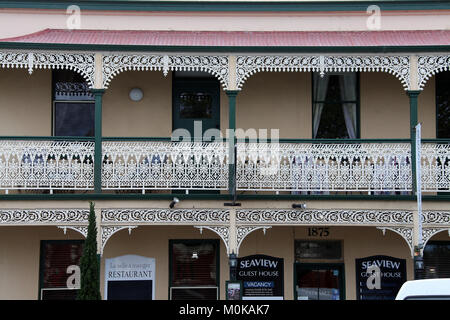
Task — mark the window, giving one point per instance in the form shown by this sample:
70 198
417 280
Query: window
58 259
335 106
73 105
318 249
443 105
194 270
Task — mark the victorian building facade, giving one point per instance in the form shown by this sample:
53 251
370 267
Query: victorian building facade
316 133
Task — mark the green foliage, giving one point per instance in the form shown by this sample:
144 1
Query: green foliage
90 265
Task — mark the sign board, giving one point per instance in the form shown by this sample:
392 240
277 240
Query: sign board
130 277
262 277
379 277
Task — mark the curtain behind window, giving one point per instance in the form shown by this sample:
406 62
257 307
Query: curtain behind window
326 95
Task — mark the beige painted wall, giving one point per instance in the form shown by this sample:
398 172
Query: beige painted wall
268 100
276 100
19 259
20 246
152 116
25 102
16 22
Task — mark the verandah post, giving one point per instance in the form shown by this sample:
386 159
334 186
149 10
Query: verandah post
98 95
231 139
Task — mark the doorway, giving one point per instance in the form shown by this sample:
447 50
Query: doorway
195 102
319 281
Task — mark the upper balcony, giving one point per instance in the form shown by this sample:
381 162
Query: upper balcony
340 130
295 167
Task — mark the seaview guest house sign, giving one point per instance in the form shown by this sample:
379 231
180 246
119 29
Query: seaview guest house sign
262 277
130 277
379 277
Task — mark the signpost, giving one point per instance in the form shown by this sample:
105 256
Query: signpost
262 277
379 277
419 182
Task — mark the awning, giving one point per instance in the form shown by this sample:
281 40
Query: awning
237 38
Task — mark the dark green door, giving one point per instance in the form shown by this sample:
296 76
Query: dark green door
196 102
319 281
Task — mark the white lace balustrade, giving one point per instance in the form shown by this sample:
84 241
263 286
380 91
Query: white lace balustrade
324 167
35 164
165 165
435 167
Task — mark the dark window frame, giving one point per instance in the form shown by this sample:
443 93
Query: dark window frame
216 242
54 101
42 257
357 102
436 102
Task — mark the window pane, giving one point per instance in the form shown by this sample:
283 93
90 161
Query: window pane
194 264
317 249
74 119
196 105
70 86
335 106
443 104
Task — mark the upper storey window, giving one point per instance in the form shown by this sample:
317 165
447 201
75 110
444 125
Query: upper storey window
73 105
336 106
443 105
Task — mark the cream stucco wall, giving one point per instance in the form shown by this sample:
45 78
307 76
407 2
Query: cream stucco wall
19 259
268 100
25 102
152 116
276 100
20 252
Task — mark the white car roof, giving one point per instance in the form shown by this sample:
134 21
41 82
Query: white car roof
428 287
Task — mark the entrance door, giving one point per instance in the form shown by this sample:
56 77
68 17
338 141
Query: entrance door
319 281
196 100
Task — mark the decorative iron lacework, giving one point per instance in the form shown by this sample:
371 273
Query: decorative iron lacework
405 232
83 63
81 229
430 65
72 89
165 165
108 231
243 232
436 217
321 216
35 164
43 216
182 216
114 64
324 167
428 233
435 167
221 231
398 65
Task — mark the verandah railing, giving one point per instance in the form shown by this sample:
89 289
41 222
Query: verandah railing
47 163
158 163
328 165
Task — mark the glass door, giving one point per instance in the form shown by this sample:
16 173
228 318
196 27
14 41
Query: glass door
319 281
196 102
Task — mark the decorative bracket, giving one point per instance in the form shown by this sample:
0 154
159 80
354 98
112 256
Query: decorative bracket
243 231
108 231
81 229
405 232
222 231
